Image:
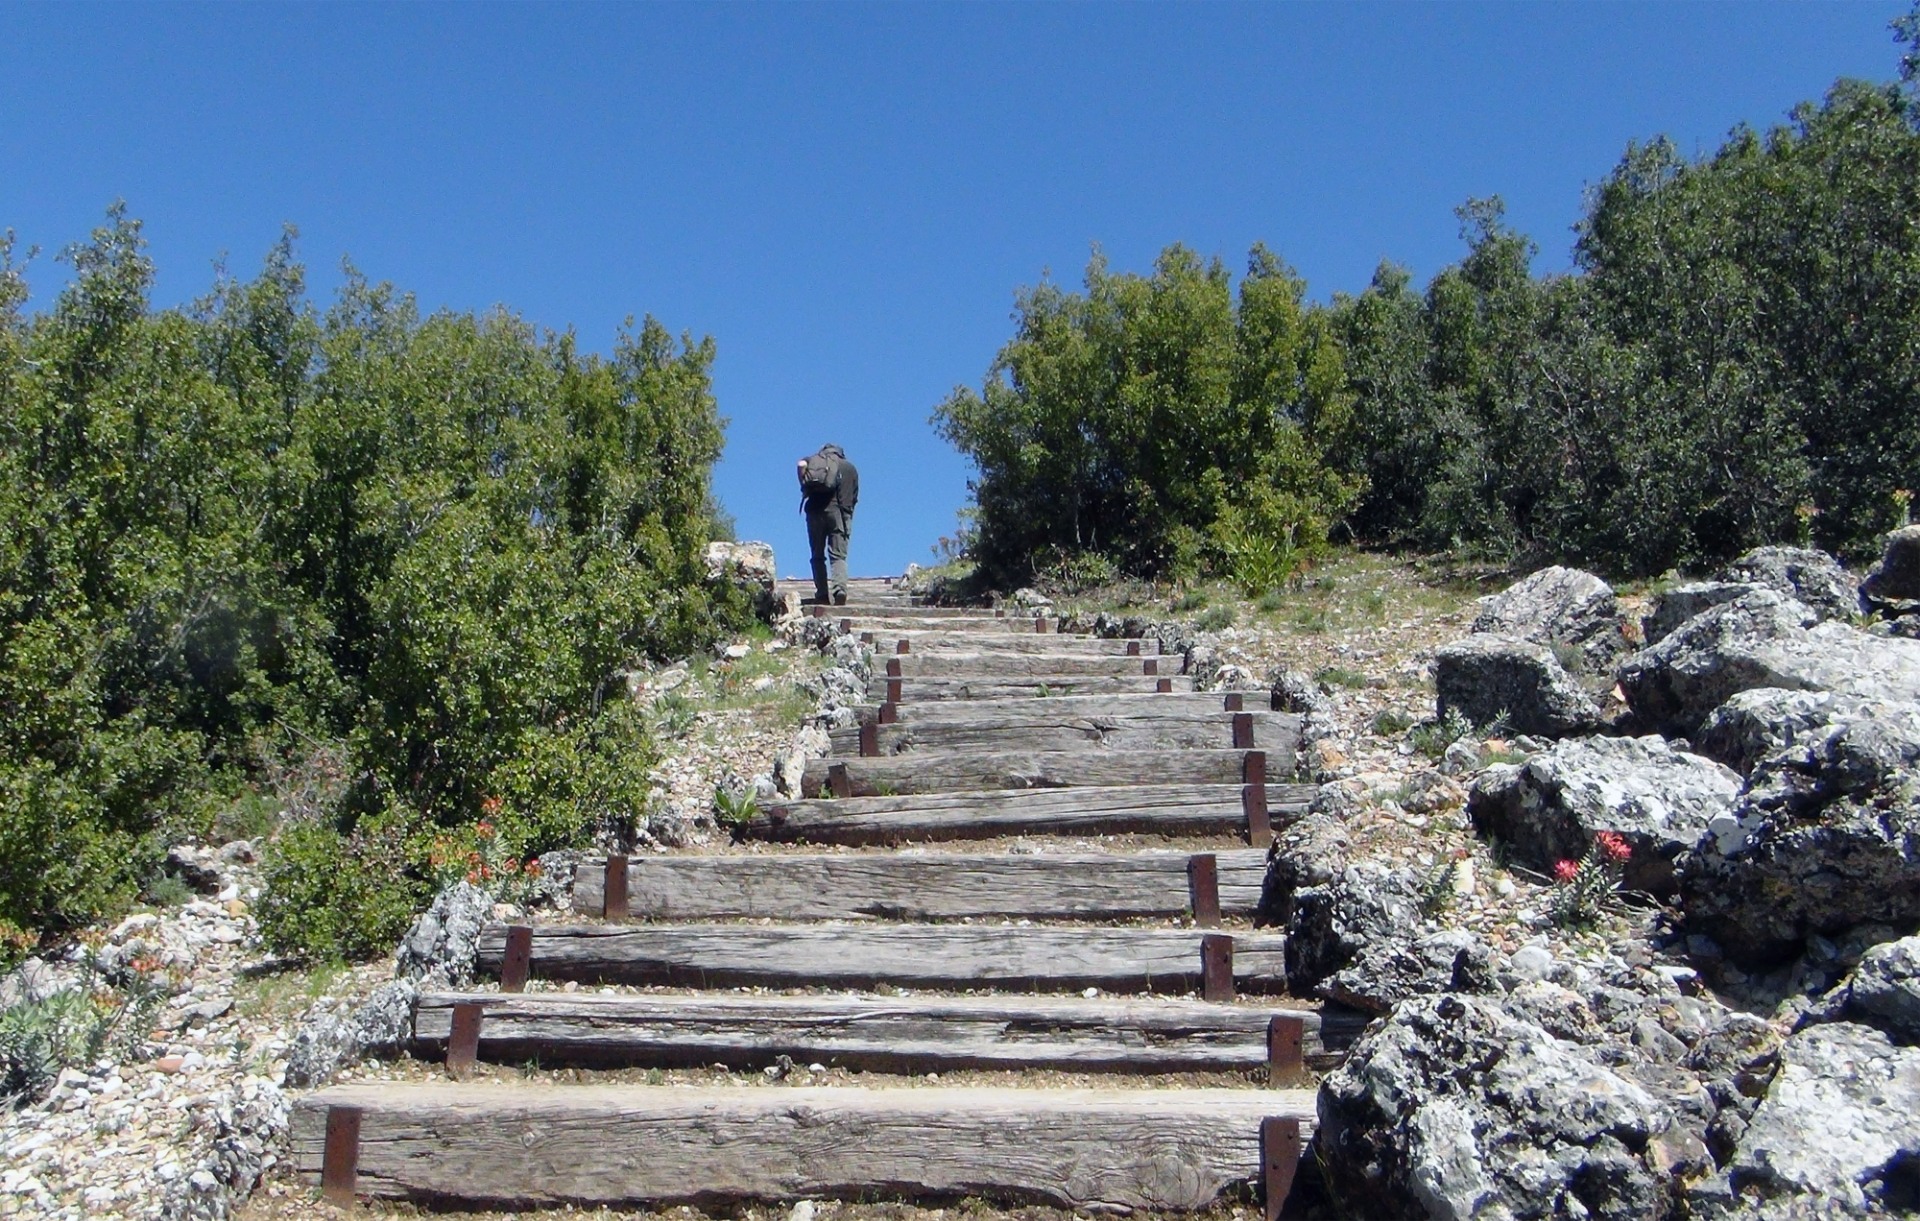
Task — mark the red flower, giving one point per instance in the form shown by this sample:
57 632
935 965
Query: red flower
1565 870
533 869
1613 845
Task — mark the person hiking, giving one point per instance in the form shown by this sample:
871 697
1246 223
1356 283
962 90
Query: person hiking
829 488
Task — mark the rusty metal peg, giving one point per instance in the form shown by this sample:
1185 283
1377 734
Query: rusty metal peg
1279 1160
888 714
870 739
340 1158
1133 648
613 890
1243 731
1234 702
1216 967
903 646
1253 805
517 963
839 783
1150 666
1286 1051
1162 686
896 690
463 1041
1203 889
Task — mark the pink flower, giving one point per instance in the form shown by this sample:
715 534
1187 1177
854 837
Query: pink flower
1565 870
1613 845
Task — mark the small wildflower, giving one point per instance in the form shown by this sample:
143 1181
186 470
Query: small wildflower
1613 846
1564 871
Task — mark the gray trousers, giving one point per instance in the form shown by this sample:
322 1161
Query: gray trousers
827 534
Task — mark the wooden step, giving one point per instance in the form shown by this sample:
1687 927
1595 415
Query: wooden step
887 643
532 1145
924 771
939 616
1135 704
1177 728
942 957
974 664
892 1034
1028 686
921 886
1147 809
933 619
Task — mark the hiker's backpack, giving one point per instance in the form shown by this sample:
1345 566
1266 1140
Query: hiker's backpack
819 476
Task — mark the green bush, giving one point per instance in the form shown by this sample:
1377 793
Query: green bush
1217 619
77 1027
420 549
1153 421
328 895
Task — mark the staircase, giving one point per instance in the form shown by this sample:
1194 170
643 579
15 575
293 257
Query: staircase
913 913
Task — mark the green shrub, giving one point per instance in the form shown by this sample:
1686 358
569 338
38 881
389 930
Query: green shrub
78 1027
1336 676
1391 722
338 563
1215 620
327 895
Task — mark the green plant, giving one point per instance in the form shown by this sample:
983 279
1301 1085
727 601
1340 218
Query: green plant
1431 738
328 894
674 715
87 1023
1571 657
1075 572
1336 676
735 808
1311 619
1586 886
1190 601
1217 619
1439 885
167 890
1261 563
1269 602
1391 722
251 815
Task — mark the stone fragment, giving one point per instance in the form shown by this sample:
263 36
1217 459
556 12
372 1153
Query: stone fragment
1761 639
1810 577
1894 582
1490 679
1549 808
1453 1107
1559 606
1825 839
1837 1134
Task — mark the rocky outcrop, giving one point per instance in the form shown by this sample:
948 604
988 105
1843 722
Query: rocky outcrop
1883 991
439 949
1673 607
1659 799
1812 578
1559 606
1825 838
1311 851
1754 724
1454 1107
330 1038
1893 585
1490 679
1589 1089
1761 639
1837 1135
1359 940
749 566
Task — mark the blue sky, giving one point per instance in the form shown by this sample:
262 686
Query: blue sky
847 196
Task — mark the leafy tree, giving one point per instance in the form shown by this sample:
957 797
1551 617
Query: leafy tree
241 533
1154 420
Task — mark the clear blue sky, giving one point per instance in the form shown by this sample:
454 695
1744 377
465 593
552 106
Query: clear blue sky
847 196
